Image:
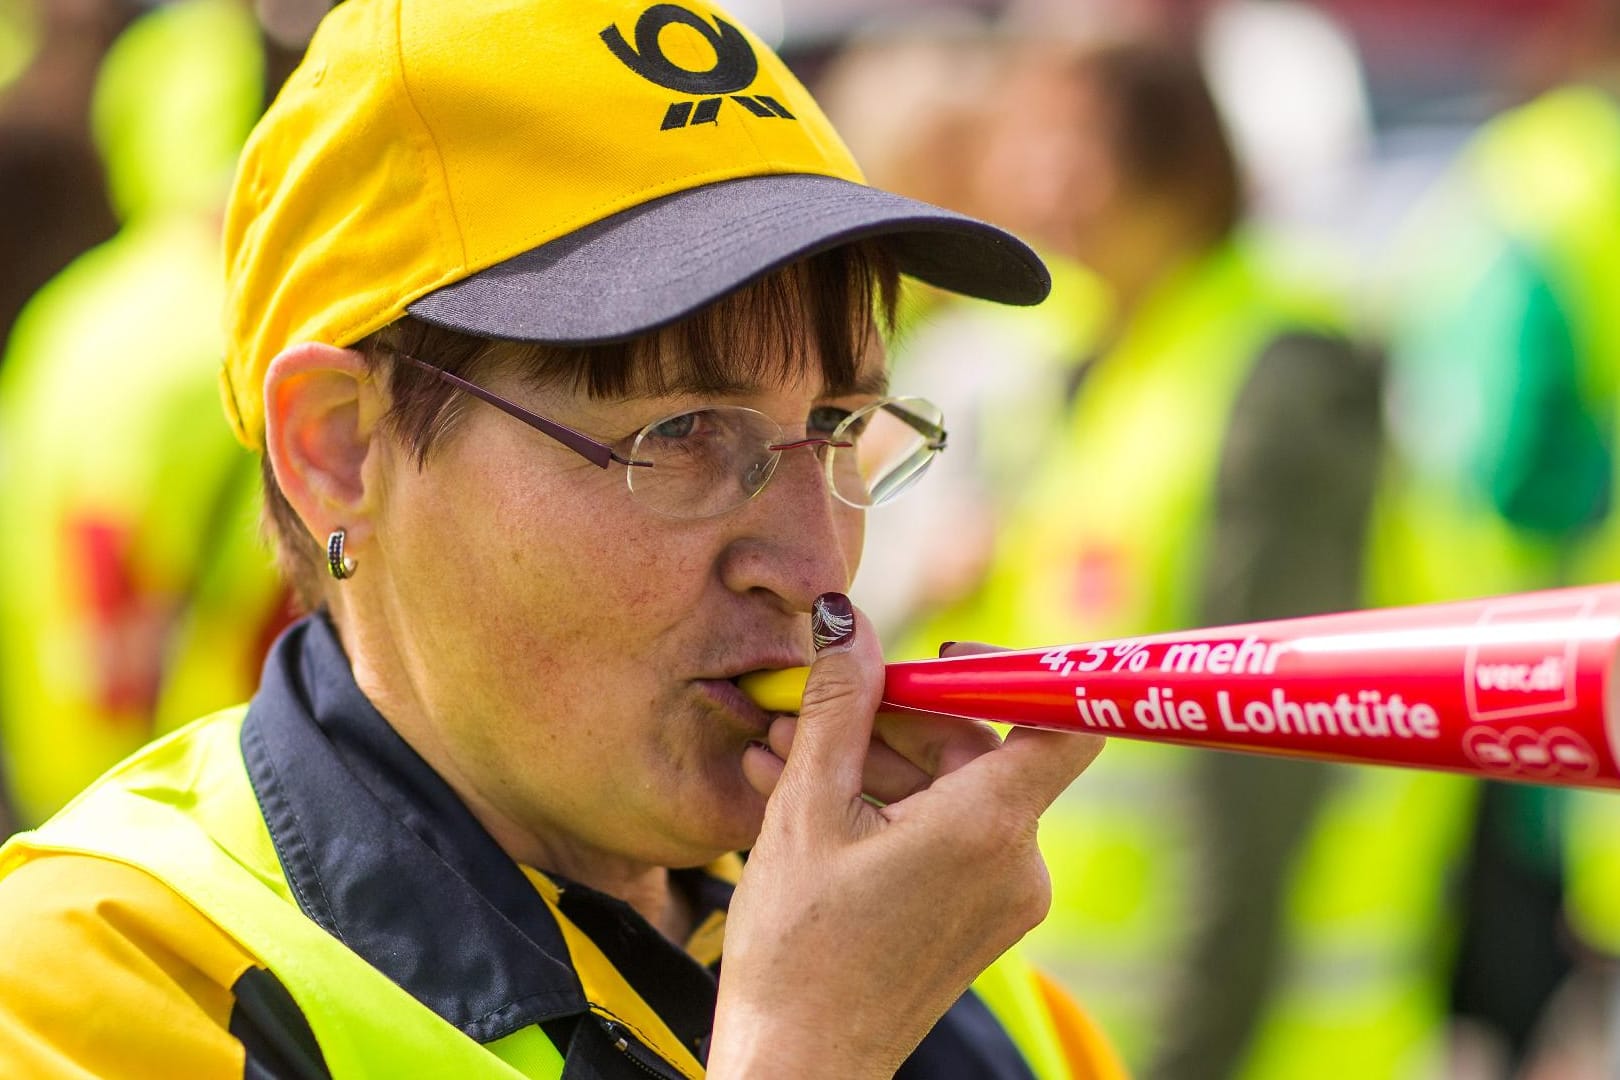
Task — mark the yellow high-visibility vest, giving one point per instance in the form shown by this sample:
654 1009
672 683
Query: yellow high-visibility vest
184 811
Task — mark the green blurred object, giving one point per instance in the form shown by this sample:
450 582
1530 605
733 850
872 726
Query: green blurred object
177 95
134 594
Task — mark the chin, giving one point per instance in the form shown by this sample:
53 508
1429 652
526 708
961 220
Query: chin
739 826
729 819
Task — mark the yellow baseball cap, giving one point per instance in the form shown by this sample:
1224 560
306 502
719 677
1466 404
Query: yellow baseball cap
565 171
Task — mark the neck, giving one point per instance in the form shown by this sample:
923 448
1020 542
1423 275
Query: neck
647 889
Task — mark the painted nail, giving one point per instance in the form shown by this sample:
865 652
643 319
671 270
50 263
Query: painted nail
832 621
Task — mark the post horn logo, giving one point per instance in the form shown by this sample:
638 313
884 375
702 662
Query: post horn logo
735 67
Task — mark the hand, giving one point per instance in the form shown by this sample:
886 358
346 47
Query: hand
856 926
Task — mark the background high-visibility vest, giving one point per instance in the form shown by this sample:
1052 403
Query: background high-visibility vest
1504 400
134 594
1111 542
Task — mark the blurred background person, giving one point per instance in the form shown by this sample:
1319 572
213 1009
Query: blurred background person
1217 467
53 201
1212 461
51 189
133 591
938 84
1505 356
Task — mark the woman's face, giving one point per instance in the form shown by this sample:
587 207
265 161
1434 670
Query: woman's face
565 655
1050 160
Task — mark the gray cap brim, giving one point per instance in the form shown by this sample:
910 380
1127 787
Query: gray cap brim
656 263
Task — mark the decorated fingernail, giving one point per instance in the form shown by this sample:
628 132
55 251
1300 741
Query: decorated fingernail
832 621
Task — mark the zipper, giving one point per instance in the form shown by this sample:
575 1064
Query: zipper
643 1058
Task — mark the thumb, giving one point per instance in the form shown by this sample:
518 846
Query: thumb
841 696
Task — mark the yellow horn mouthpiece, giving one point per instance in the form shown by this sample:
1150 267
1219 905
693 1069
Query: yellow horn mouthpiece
776 691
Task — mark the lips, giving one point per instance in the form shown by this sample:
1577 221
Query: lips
750 719
755 652
722 689
774 661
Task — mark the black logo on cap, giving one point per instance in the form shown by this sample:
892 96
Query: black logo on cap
735 67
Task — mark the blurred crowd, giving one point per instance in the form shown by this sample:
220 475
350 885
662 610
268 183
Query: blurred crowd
1333 326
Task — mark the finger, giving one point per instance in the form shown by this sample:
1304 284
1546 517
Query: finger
887 776
1038 764
762 767
968 648
1033 767
936 745
841 695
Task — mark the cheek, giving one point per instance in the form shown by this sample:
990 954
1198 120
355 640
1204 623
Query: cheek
609 563
552 563
853 537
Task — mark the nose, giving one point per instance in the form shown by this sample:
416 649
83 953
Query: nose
794 540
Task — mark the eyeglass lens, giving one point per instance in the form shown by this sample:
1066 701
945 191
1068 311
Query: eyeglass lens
711 460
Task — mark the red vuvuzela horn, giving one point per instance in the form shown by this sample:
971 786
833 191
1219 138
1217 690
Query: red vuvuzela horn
1515 687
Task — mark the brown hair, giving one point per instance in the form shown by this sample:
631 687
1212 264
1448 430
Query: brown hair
828 306
1167 133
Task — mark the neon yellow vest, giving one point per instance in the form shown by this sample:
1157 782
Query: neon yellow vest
1550 171
108 420
1546 175
184 811
114 347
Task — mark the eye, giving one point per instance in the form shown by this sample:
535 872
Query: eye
824 420
676 427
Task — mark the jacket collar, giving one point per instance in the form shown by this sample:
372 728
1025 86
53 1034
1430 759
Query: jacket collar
381 853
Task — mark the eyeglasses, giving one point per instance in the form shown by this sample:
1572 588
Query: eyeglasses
704 462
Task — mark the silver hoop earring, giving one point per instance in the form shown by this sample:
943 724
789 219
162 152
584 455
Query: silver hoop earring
340 565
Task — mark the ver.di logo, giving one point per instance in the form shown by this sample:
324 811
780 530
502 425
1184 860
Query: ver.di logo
735 67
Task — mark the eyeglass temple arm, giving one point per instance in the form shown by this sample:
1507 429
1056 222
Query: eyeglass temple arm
935 434
599 454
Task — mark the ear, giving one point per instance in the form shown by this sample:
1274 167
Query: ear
321 415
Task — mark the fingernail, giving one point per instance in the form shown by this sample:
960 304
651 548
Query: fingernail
832 622
945 645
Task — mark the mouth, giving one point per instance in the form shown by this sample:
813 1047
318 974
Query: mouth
723 692
724 695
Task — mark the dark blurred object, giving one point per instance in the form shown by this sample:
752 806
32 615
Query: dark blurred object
1514 953
55 202
51 183
287 26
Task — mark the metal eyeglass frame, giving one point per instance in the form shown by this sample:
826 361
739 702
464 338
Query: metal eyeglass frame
602 455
